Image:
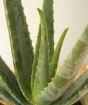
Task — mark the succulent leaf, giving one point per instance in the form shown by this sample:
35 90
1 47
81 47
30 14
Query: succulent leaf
42 73
78 95
7 97
35 61
20 43
10 80
75 86
48 12
56 55
63 79
36 81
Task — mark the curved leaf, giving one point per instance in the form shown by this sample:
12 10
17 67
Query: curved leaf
20 43
63 79
56 55
11 82
35 61
48 13
75 86
7 97
42 73
78 95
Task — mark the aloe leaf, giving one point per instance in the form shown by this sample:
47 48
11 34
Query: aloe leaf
21 45
75 86
75 97
47 5
63 79
56 55
7 97
11 82
78 94
42 73
48 12
35 61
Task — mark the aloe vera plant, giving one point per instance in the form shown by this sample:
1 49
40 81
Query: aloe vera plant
36 80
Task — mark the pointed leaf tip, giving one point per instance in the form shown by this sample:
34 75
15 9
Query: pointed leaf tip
21 44
42 72
56 55
48 11
42 17
39 10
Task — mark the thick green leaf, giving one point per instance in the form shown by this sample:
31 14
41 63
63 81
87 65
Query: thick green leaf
20 43
11 82
56 55
42 73
63 79
78 94
75 86
35 61
3 84
7 97
47 5
48 12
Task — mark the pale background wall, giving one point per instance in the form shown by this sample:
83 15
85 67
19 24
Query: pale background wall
68 13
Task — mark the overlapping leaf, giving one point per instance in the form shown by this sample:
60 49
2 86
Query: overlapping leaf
42 73
48 12
61 90
20 43
11 82
72 91
78 94
35 60
62 80
56 55
7 97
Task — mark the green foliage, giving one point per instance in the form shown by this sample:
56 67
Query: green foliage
42 73
20 43
56 55
35 61
74 90
11 82
48 12
36 81
7 97
63 79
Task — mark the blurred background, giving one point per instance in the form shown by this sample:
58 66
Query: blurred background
67 13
